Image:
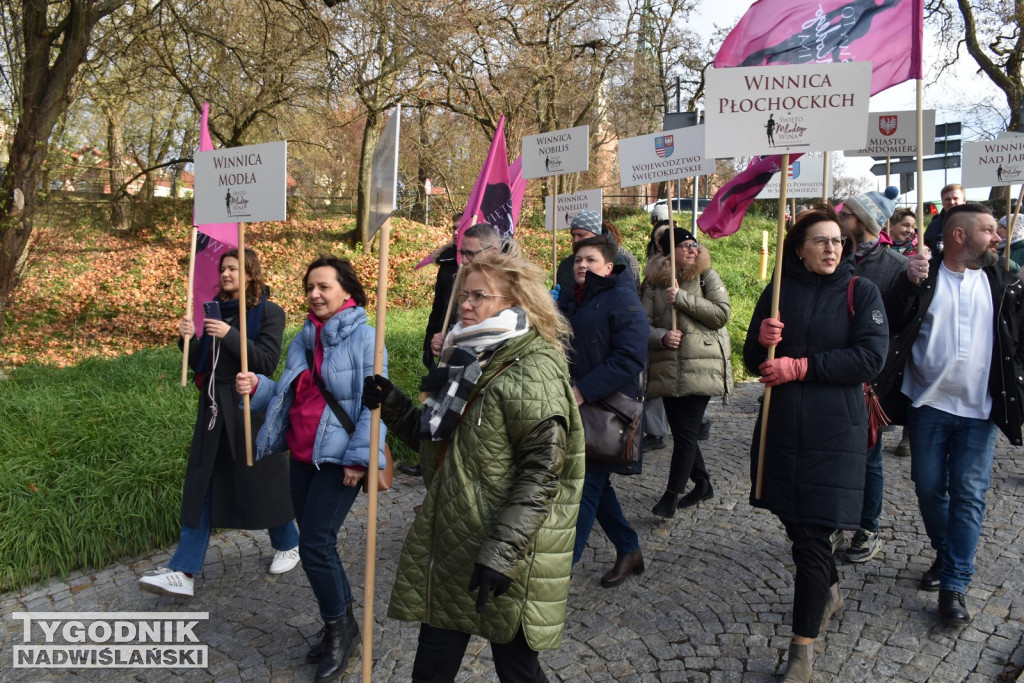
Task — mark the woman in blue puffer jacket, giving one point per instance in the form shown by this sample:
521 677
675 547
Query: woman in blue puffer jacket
328 459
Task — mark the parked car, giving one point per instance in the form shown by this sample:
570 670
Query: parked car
680 204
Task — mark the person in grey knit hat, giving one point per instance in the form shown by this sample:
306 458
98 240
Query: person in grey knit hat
585 224
873 209
863 218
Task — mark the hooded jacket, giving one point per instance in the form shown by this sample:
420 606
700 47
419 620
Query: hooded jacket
702 365
504 493
816 448
609 345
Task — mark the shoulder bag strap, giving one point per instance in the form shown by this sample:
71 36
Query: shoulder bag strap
332 402
472 399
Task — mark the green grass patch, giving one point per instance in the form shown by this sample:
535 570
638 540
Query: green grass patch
94 454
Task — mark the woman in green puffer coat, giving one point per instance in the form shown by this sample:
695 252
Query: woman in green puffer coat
501 446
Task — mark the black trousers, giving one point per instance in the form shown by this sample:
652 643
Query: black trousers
815 573
440 651
684 414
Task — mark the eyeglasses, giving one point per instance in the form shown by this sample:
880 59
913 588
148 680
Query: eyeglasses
688 246
478 297
467 254
821 241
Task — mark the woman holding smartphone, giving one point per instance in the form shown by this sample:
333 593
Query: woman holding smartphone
220 490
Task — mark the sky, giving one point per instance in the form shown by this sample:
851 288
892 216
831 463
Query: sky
965 84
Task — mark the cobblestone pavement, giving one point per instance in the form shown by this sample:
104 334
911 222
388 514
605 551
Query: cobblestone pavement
713 604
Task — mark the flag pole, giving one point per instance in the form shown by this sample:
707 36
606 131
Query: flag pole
190 296
826 176
244 350
554 233
1010 227
371 471
920 166
776 286
1010 231
672 252
451 299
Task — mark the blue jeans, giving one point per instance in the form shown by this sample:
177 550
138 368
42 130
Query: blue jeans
600 502
871 509
191 551
950 463
322 501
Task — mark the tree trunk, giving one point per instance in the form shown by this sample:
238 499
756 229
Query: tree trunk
52 57
371 135
115 151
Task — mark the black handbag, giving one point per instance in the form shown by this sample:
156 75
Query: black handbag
612 428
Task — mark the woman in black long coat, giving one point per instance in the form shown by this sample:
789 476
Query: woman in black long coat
816 441
220 489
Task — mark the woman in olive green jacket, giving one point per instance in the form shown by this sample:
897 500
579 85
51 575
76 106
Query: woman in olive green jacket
501 445
690 364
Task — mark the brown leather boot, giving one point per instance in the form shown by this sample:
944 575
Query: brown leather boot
630 563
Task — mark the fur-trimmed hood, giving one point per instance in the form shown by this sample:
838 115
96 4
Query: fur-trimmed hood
657 271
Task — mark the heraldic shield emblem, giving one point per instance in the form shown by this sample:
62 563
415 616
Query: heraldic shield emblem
664 145
887 124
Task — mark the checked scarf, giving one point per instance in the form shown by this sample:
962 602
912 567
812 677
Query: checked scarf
465 353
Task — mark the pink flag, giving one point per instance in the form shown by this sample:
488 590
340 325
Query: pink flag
214 239
724 214
491 198
888 33
497 196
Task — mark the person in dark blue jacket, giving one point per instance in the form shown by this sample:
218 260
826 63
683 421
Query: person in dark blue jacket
609 349
817 430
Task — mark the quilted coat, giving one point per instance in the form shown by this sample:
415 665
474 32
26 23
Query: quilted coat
348 344
702 365
816 448
504 493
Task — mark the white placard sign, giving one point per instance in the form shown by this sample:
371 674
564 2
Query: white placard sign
242 184
805 179
993 162
1002 135
557 152
569 205
384 174
786 109
667 155
894 134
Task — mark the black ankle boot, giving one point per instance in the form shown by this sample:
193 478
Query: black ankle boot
666 507
340 641
316 652
702 490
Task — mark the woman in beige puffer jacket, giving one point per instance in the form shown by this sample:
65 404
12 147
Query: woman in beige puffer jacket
691 364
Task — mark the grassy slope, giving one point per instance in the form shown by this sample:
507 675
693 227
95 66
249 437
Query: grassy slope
93 450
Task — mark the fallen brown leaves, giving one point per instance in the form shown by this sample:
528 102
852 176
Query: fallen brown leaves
90 293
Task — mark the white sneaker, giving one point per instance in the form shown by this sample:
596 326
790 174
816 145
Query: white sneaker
285 561
166 581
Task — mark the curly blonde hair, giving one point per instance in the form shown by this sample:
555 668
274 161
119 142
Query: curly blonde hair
523 282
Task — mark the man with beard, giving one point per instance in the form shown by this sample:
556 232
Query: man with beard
952 375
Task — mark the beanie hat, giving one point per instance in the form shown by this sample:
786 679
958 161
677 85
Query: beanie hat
587 220
874 209
681 235
659 213
1018 230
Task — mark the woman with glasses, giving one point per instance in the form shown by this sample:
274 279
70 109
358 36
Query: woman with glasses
830 338
690 360
501 445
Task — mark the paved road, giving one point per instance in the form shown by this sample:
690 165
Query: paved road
713 604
